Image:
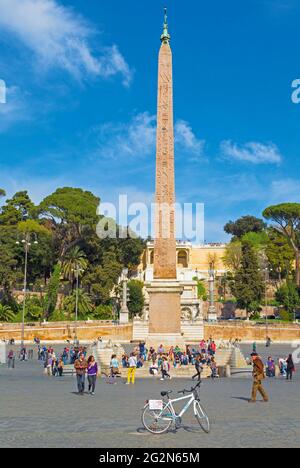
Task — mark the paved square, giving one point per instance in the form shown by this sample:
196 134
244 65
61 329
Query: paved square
41 411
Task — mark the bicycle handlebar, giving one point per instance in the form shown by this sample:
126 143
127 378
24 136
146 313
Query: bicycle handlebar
192 389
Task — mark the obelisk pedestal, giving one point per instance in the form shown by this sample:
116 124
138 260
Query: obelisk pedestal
164 313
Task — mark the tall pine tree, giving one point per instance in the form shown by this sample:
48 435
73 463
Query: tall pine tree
248 286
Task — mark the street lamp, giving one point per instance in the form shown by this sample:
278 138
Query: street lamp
267 276
124 313
212 309
27 244
77 272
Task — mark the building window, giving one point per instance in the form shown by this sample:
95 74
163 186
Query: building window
182 259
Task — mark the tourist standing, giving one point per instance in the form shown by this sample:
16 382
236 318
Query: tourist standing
258 377
60 367
11 359
92 371
290 368
114 366
271 370
132 363
80 367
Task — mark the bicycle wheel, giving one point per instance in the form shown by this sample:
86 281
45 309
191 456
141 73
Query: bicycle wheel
202 417
157 421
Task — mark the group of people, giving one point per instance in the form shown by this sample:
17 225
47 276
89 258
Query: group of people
23 355
162 360
287 367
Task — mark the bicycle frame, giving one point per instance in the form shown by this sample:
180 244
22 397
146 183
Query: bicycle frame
169 405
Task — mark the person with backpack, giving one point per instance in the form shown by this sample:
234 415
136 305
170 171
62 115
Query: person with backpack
165 369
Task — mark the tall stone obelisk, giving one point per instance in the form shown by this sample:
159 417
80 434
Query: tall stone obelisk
165 291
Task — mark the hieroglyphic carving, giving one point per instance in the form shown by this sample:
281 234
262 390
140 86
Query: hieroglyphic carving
165 245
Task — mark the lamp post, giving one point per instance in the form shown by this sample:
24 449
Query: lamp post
267 275
26 241
212 313
77 271
124 313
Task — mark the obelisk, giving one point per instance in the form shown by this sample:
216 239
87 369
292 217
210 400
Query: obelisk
165 291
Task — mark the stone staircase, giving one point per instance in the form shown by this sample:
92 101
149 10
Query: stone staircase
192 332
140 331
183 372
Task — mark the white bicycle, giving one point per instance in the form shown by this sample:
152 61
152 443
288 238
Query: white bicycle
159 415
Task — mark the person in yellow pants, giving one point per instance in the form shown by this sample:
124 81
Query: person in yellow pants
131 369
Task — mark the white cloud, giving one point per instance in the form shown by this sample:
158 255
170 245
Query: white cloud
253 152
137 138
15 109
59 37
186 138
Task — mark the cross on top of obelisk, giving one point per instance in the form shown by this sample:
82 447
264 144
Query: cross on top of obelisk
165 37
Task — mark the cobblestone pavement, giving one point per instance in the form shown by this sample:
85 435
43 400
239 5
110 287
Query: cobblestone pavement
41 411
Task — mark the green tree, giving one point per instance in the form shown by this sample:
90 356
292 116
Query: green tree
103 312
286 217
136 297
6 314
233 255
9 274
100 280
73 260
243 225
85 305
71 212
34 310
288 296
201 289
17 208
248 286
279 253
52 292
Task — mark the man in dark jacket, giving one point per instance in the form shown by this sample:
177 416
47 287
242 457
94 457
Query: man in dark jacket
258 377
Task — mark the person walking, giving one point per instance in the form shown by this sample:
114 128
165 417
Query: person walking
11 359
92 372
258 377
290 368
198 367
165 369
80 367
132 363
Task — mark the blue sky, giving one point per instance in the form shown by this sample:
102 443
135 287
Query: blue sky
81 82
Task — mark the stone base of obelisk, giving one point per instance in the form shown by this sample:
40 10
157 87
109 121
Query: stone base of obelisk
164 314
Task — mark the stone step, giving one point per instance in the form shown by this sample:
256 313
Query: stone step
179 372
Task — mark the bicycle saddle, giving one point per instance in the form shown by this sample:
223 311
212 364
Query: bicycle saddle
166 393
